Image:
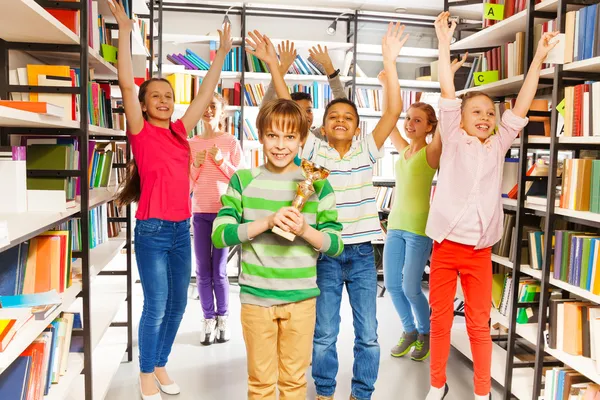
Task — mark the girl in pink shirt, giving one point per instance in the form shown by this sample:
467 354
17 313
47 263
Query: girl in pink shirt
159 182
217 155
465 218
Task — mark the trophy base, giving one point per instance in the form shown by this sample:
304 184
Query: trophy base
287 235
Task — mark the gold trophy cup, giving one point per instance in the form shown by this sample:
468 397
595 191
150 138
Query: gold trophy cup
312 172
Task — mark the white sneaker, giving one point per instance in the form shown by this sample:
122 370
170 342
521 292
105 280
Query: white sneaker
223 334
437 393
209 331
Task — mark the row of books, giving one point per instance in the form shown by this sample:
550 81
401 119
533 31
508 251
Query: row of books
100 38
511 7
321 93
577 259
581 33
581 185
384 197
44 362
66 106
186 88
574 327
580 101
189 60
38 265
98 227
529 291
565 383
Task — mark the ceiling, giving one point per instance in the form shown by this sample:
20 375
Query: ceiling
426 7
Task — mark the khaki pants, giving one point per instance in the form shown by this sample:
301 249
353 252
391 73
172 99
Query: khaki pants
279 347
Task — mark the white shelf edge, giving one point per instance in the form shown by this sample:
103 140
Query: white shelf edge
32 329
60 390
25 223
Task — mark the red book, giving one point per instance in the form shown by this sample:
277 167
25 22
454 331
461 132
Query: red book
577 110
36 381
237 96
509 8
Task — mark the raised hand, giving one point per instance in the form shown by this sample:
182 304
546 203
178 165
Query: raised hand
226 42
123 20
456 64
287 56
200 158
261 47
545 45
321 56
392 42
443 30
215 154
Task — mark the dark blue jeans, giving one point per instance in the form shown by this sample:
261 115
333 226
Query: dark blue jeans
355 268
164 258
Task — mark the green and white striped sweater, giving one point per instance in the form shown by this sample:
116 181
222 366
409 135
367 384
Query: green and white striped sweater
275 270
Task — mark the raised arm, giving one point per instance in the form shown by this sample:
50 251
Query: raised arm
391 45
133 110
444 34
198 106
529 88
434 149
321 56
287 55
397 140
261 46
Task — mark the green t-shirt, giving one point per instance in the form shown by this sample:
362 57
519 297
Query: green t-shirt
413 190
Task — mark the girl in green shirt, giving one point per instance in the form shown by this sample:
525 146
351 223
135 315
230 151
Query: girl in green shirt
407 248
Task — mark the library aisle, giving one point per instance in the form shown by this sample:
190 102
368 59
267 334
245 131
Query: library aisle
219 371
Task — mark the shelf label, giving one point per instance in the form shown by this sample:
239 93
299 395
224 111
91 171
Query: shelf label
109 53
493 11
561 108
483 78
4 240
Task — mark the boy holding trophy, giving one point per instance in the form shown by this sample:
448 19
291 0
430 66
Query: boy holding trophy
280 245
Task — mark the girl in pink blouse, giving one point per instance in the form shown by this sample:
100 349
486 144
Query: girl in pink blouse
217 155
465 218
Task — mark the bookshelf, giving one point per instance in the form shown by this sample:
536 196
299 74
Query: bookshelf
340 50
554 80
29 32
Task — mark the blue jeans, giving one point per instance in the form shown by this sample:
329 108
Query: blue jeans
404 257
355 267
164 257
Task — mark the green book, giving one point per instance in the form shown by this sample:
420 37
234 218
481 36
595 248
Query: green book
595 189
48 157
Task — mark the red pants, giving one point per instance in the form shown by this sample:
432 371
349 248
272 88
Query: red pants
449 260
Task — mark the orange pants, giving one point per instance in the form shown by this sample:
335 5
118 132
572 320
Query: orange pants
450 260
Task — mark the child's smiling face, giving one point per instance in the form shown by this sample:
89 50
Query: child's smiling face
341 123
280 147
479 117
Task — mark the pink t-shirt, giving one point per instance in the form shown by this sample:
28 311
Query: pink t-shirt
163 162
210 181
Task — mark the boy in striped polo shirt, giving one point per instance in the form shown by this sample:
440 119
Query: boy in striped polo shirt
351 164
278 282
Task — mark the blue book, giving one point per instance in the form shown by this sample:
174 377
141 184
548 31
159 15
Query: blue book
14 381
581 34
52 329
30 300
196 58
590 27
12 268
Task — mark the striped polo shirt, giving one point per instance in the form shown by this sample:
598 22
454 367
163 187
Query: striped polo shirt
352 181
275 270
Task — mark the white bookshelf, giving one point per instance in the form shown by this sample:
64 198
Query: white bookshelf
22 226
29 22
32 329
12 117
100 257
504 31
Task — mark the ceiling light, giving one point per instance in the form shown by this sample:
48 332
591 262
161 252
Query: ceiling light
401 9
331 28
